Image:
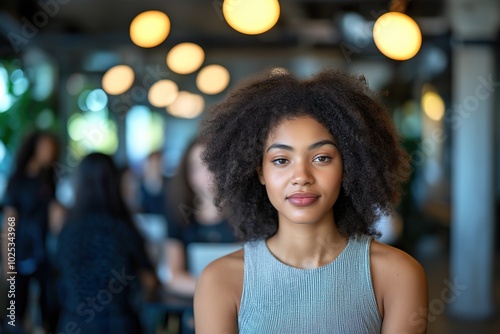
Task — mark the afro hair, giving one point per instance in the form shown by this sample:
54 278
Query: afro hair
234 132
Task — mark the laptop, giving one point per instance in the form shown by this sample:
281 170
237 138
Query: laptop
200 254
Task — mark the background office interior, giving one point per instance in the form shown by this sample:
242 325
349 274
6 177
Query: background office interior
54 54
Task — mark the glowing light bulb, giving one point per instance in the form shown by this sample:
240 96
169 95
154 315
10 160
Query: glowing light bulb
397 36
212 79
433 105
185 58
251 17
187 105
163 93
118 79
149 29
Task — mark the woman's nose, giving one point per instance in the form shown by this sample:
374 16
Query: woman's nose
301 174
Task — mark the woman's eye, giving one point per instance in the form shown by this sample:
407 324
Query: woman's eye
322 158
280 161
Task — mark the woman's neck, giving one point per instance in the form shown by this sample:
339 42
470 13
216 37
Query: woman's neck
207 213
307 245
33 168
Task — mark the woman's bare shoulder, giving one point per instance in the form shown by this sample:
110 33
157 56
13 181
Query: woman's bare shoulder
218 294
388 258
226 266
224 276
399 282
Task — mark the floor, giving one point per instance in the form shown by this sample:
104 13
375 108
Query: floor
436 265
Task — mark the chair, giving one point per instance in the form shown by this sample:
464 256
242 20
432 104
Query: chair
200 254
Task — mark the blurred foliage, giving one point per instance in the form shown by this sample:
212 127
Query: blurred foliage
21 112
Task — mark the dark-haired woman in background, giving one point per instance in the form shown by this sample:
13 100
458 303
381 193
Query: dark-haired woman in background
101 255
28 204
194 218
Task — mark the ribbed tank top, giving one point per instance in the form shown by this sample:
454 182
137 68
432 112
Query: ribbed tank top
335 298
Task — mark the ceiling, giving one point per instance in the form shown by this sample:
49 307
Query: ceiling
103 24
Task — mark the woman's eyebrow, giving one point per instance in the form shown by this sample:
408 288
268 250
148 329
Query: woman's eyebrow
279 146
321 143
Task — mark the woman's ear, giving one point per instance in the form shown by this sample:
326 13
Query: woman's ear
261 176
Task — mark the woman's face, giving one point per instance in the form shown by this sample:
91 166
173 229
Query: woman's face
302 171
154 165
199 177
45 152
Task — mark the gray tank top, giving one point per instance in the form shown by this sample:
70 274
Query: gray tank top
336 298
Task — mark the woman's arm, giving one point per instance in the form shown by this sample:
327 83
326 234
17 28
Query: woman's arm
401 285
180 282
57 214
218 294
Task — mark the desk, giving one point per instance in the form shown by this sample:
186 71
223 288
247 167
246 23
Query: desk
159 303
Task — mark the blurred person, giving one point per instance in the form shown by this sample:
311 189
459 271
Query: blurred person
129 185
153 196
30 208
153 185
195 218
101 257
152 214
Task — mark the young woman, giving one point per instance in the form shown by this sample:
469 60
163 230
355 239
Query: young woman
306 167
30 207
194 218
101 256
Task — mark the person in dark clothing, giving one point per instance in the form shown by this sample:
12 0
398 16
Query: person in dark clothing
27 204
154 191
153 185
101 256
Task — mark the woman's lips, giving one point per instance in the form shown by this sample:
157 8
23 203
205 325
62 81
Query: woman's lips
302 199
